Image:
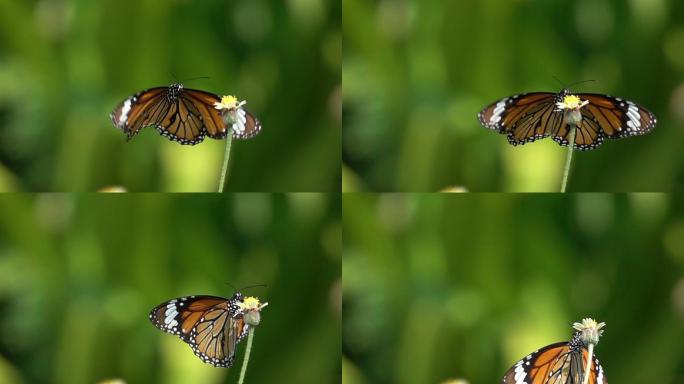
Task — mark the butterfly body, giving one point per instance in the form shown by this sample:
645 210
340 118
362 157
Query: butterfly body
183 115
528 117
559 363
211 325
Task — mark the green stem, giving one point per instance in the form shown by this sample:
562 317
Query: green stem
248 349
568 158
587 370
226 157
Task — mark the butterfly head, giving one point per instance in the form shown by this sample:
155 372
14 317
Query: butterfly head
237 297
174 91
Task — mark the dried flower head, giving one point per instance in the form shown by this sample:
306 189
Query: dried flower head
590 331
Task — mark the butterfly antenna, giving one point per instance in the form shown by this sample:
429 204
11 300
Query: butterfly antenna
196 78
232 286
581 82
558 80
254 286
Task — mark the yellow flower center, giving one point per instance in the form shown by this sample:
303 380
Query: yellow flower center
571 102
252 303
228 102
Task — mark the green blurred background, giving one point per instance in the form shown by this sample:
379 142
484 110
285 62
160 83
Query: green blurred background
463 286
65 65
416 74
80 273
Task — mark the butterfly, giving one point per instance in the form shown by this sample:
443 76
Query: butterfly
211 325
531 116
184 115
559 363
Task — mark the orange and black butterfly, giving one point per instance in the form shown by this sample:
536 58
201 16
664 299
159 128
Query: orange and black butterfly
531 116
184 115
212 326
559 363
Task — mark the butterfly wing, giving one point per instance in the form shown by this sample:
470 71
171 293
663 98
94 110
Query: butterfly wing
614 118
182 122
523 118
211 325
539 366
246 126
236 331
130 114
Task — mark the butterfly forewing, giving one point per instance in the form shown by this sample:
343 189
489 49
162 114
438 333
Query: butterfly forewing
499 115
124 114
171 315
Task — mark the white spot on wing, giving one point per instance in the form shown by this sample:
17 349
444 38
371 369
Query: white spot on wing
519 373
599 376
498 111
171 313
123 116
240 121
634 122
